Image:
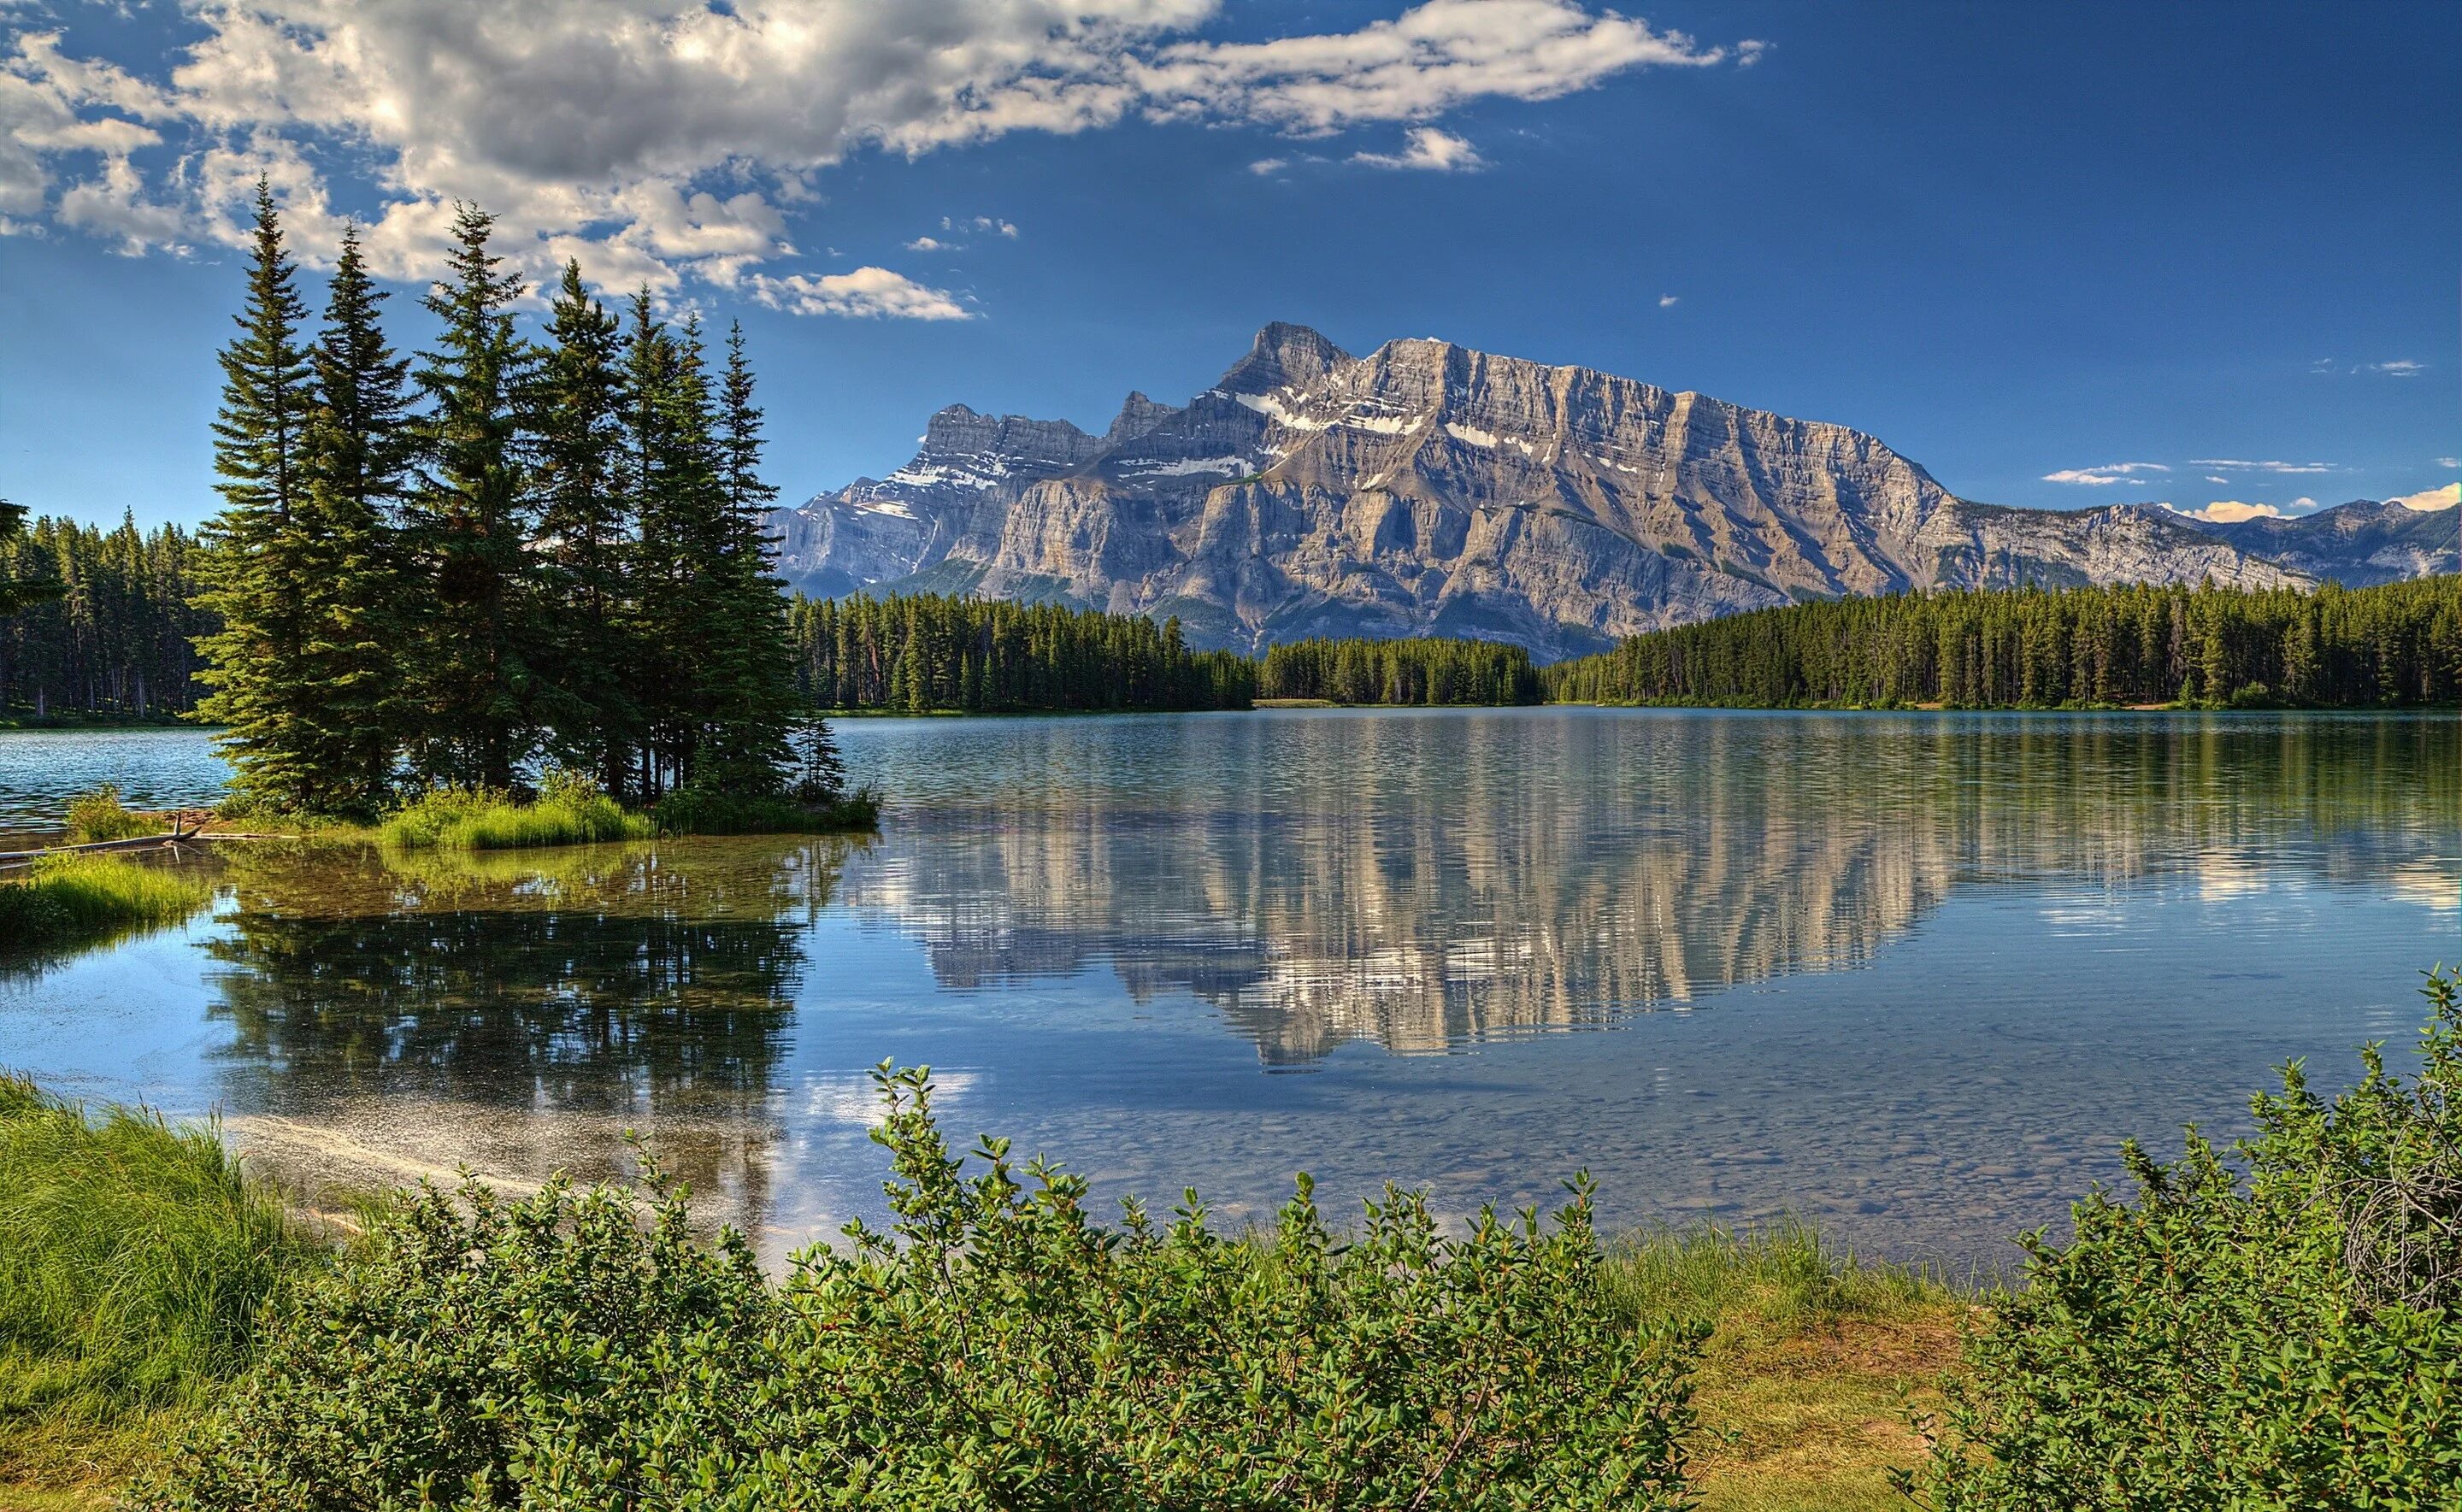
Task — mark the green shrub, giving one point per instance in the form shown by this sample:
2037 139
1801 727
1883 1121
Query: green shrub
996 1350
73 899
98 815
2286 1338
135 1263
693 810
569 810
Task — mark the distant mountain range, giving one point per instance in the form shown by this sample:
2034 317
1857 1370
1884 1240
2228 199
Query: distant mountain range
1427 489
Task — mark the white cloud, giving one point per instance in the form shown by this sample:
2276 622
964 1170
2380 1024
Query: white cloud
928 243
1667 301
2215 477
2230 464
1265 165
670 134
867 291
2400 367
2101 476
2448 461
1436 151
2230 511
2445 498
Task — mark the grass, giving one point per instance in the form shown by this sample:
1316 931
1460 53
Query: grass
482 819
1814 1362
136 1262
99 816
695 812
79 899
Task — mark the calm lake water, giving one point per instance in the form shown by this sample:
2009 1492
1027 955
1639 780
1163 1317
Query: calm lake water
1911 976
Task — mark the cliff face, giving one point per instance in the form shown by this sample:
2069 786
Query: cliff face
1431 490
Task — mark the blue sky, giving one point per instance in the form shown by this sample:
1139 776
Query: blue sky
2027 246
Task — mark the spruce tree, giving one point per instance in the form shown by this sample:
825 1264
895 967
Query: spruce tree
18 593
357 459
254 568
470 680
751 668
667 466
584 552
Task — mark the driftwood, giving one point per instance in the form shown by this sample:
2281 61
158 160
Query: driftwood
187 827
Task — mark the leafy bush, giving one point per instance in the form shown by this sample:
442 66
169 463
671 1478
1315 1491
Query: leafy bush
569 810
135 1262
996 1350
2291 1339
69 899
98 815
694 811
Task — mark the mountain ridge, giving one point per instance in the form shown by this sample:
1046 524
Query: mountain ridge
1428 487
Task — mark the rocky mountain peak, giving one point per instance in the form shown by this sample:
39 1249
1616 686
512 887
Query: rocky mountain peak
1283 356
1137 416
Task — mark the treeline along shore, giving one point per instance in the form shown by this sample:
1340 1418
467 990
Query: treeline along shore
115 644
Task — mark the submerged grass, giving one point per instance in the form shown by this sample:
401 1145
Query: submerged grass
135 1264
1815 1360
81 899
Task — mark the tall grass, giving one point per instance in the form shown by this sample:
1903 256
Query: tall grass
570 811
75 899
136 1262
1784 1276
99 816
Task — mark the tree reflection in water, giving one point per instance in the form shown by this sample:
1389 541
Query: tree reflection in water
398 1015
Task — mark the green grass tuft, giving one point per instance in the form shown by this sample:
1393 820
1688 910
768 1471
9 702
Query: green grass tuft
692 811
569 813
80 900
136 1262
99 816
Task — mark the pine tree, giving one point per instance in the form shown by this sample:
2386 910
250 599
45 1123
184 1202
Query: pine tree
254 566
18 593
357 458
820 772
584 549
751 666
469 682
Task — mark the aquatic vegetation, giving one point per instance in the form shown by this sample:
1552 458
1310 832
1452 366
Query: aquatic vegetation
99 816
2286 1336
569 810
694 811
78 899
997 1348
136 1262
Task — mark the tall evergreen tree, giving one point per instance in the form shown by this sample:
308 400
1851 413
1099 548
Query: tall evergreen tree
254 565
751 673
17 592
357 458
584 550
661 464
470 685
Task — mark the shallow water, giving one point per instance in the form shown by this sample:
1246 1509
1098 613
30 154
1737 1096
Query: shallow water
1909 976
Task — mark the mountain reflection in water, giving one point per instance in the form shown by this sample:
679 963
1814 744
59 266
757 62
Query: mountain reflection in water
1426 882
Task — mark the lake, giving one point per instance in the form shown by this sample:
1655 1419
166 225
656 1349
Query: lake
1911 976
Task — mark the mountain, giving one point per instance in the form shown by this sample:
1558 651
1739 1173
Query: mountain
2360 543
1427 489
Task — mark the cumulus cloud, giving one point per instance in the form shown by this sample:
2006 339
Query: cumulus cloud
2230 511
2231 465
2445 498
1431 149
664 139
1667 301
1266 165
2103 476
929 243
867 291
989 224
